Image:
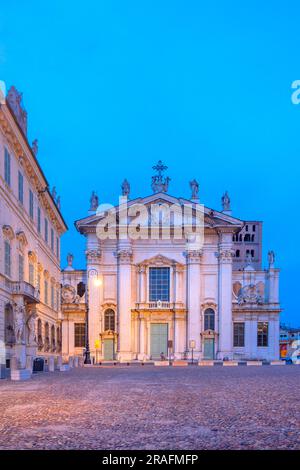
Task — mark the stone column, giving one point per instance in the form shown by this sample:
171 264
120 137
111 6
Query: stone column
193 299
225 256
124 255
93 257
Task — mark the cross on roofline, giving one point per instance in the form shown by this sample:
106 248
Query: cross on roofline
160 167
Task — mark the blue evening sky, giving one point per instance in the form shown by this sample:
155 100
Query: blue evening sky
112 86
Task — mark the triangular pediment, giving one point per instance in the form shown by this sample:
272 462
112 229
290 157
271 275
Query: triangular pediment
212 218
158 260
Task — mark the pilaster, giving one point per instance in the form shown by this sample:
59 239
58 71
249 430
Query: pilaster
225 257
124 256
193 299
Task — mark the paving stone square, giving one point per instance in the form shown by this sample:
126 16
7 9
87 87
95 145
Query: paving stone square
148 407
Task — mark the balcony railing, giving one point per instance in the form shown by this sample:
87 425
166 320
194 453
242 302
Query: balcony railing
30 293
158 305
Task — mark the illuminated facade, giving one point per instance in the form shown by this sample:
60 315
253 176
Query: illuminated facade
30 229
151 297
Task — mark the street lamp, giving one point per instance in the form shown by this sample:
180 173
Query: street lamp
98 282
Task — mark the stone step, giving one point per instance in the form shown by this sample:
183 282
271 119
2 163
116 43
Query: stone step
180 363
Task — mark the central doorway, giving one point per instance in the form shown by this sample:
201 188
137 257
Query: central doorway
158 340
108 349
209 348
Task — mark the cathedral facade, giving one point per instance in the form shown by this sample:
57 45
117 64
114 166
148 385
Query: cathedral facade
167 277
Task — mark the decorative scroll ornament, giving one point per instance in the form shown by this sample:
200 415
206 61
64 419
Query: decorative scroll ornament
159 183
225 256
68 294
124 255
93 256
250 295
194 256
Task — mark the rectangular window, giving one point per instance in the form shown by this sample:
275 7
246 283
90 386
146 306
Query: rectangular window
7 167
52 240
52 296
31 204
262 334
239 335
21 268
46 292
79 335
159 284
31 274
39 220
7 258
57 247
39 282
46 230
20 186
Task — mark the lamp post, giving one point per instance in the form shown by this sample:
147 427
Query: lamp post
87 358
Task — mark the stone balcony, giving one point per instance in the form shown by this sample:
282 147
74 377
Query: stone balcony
28 291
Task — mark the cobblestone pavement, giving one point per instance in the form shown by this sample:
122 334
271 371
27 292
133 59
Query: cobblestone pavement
153 408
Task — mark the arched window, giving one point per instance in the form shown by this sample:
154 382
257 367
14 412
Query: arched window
247 238
253 238
237 253
9 325
109 320
209 319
